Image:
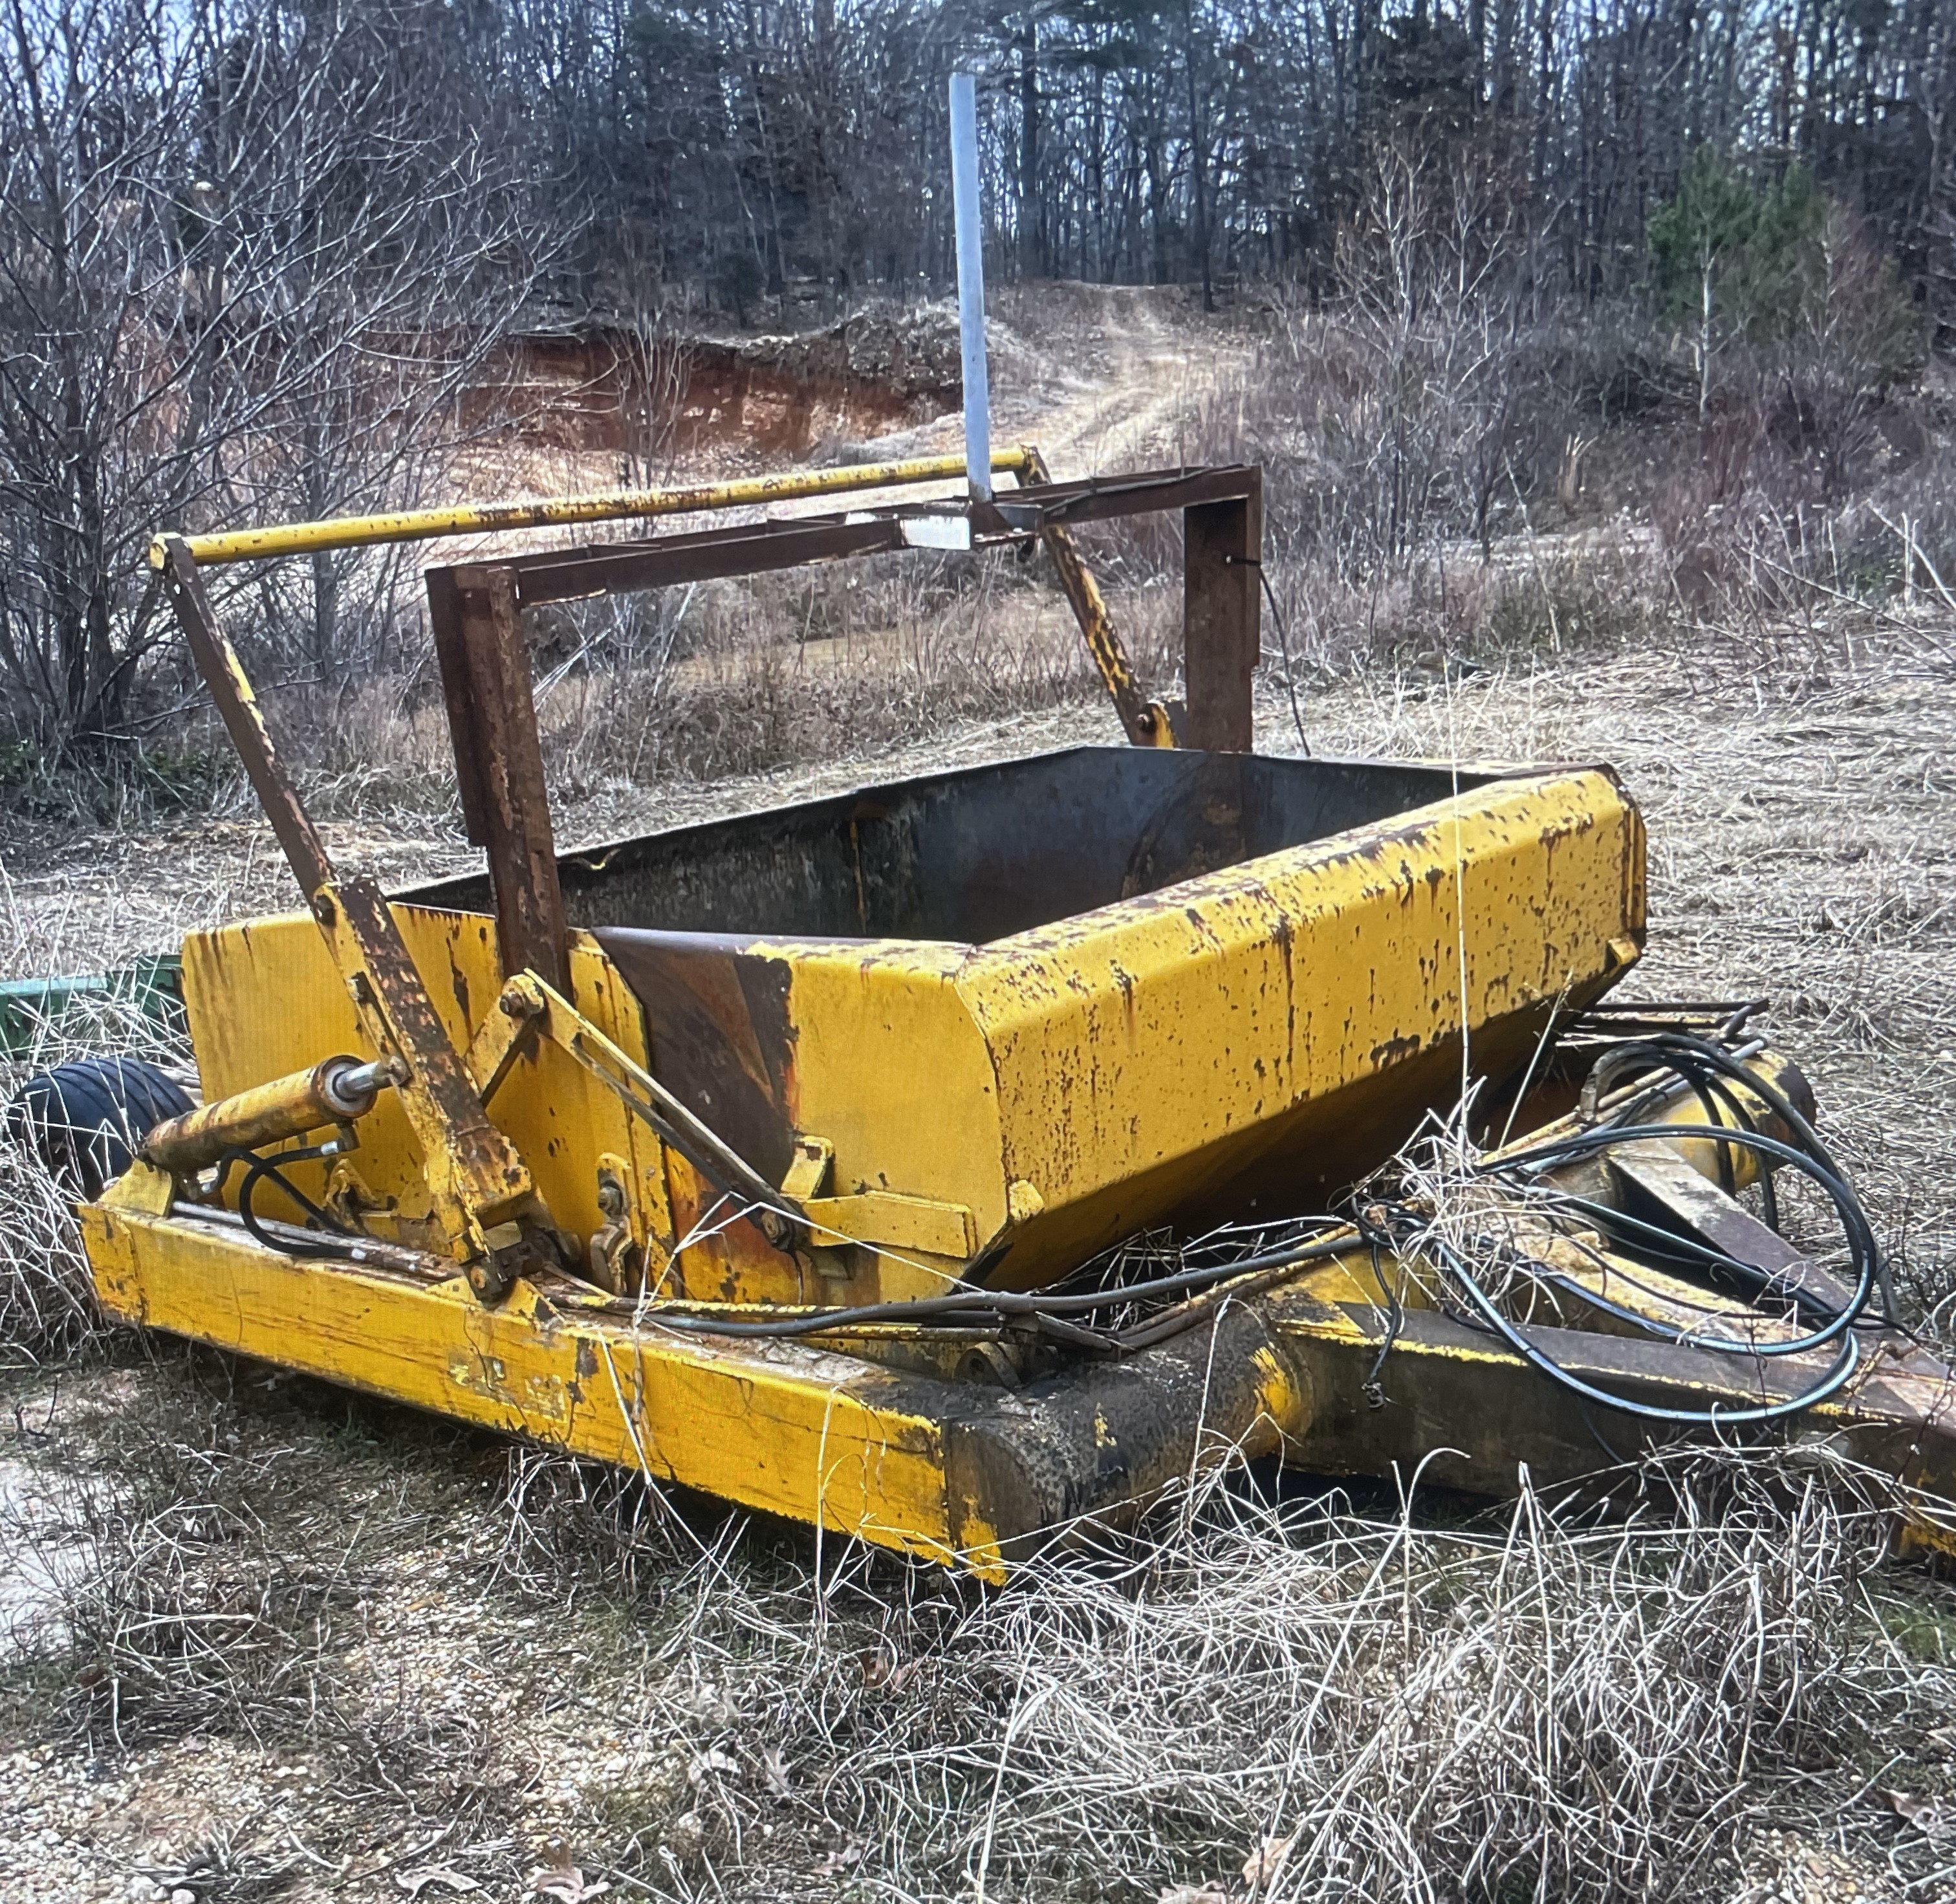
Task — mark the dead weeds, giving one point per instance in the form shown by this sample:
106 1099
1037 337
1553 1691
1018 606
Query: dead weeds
288 1643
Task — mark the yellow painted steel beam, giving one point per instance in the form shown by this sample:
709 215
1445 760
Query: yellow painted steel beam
787 1428
482 1192
620 505
960 1471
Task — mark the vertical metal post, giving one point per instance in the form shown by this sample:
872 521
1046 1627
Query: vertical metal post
492 719
1222 560
970 284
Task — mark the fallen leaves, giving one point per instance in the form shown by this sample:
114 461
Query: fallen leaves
567 1884
1261 1867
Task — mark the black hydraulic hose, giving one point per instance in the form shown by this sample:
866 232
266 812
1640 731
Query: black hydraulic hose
257 1169
1810 1156
987 1306
1854 1224
1668 1332
1654 1239
1675 1043
1671 1046
1836 1378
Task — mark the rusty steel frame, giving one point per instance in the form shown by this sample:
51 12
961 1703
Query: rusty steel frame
475 610
480 1189
477 616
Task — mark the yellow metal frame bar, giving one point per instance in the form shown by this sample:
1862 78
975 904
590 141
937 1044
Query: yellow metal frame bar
619 505
957 1470
484 1196
788 1428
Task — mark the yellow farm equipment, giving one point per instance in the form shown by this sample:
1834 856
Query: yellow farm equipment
956 1160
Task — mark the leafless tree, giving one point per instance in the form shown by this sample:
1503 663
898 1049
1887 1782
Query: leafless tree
240 273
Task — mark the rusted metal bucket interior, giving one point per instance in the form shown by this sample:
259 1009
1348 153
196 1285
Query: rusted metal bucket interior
979 854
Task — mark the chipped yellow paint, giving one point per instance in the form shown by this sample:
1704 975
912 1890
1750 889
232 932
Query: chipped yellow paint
787 1429
264 993
1074 1083
1058 1089
545 512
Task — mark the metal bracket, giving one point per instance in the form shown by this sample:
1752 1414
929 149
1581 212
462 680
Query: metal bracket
528 1010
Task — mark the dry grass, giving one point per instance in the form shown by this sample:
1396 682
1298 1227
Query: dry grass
1523 1704
269 1641
1411 1704
211 1570
47 1310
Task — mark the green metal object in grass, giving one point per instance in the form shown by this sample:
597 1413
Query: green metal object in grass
29 1006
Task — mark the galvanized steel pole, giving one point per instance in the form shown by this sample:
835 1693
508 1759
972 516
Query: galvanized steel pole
970 284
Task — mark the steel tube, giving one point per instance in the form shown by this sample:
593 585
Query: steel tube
485 518
978 459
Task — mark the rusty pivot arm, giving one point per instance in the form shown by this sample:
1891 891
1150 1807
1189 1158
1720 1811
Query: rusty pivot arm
1147 723
480 1187
528 1010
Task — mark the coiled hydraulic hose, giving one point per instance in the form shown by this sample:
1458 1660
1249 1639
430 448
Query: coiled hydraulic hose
1711 1072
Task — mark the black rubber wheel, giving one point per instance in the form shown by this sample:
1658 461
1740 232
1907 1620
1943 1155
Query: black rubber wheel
86 1119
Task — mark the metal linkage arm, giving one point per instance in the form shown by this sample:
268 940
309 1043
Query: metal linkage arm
482 1189
528 1009
1147 723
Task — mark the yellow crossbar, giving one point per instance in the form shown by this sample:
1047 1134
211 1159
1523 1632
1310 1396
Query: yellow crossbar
485 519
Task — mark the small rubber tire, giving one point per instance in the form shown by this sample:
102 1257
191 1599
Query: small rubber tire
87 1119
